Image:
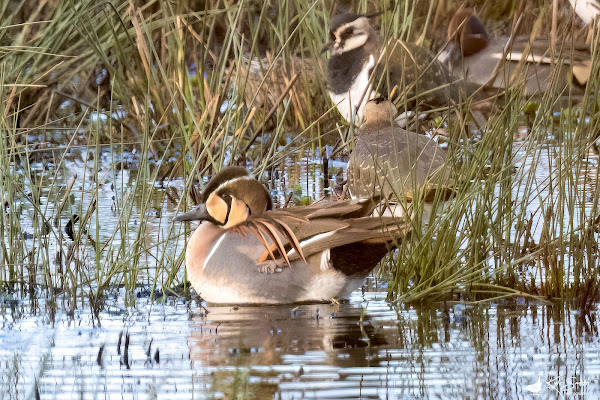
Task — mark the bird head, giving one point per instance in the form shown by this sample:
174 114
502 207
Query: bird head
470 32
379 110
466 35
348 32
230 198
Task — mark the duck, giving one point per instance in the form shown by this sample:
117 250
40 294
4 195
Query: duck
398 166
587 10
361 67
246 252
536 387
498 62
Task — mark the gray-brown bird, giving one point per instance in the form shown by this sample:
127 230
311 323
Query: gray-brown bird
502 62
397 164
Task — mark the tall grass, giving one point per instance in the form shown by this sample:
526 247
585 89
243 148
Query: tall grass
167 80
525 217
194 86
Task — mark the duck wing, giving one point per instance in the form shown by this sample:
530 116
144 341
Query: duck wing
317 236
300 232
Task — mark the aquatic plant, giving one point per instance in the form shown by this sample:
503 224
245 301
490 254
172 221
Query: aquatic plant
104 102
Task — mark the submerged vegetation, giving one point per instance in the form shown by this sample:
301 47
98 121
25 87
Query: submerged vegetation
137 96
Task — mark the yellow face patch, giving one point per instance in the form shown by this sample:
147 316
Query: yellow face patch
238 213
216 207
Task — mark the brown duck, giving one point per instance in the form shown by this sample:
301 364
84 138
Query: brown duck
501 62
318 252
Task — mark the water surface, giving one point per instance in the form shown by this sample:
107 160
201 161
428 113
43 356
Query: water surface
364 348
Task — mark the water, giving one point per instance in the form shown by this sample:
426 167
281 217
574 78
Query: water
360 349
364 348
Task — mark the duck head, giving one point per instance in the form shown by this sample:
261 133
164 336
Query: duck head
348 32
230 198
466 36
379 110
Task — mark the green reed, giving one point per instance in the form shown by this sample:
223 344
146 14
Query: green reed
510 190
55 53
146 52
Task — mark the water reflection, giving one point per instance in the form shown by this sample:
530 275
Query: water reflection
361 349
347 351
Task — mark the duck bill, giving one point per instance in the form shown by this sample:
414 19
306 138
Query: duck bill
373 15
326 48
197 214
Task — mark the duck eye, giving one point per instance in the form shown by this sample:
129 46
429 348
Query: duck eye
331 35
347 33
226 198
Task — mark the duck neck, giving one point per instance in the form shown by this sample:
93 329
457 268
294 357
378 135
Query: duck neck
344 68
375 125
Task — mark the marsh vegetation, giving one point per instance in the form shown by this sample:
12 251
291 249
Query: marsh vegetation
162 94
114 113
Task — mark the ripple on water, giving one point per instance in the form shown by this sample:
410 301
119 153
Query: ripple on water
361 349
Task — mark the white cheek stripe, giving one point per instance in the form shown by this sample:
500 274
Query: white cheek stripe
239 178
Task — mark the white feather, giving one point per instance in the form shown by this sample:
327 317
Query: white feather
325 258
347 103
212 251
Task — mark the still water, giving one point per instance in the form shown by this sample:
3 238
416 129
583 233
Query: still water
360 349
364 348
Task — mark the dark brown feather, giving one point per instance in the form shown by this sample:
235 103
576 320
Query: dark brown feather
345 222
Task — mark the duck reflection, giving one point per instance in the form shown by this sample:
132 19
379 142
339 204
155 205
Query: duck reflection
338 335
373 350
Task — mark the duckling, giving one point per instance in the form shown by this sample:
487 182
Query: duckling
475 56
361 68
397 164
313 253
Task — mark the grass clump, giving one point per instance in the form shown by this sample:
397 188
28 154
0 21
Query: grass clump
525 217
141 94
